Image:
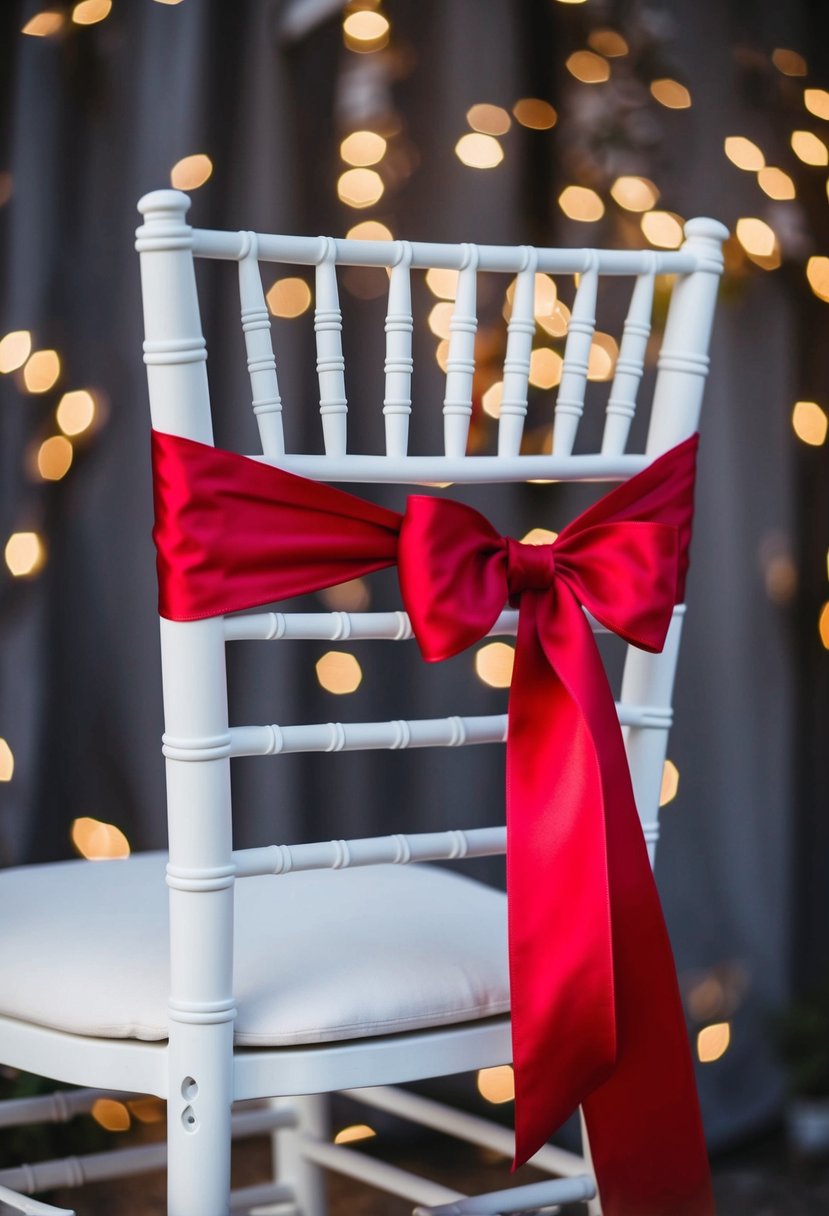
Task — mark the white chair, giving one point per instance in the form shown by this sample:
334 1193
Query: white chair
92 1003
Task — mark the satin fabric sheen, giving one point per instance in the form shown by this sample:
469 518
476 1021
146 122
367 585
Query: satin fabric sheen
596 1014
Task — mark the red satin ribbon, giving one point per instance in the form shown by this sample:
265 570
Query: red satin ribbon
596 1014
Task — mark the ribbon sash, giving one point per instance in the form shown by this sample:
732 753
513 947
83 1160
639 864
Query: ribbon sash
596 1014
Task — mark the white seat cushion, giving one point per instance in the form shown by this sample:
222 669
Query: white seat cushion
320 957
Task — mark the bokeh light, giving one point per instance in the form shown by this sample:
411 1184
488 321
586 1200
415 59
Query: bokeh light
76 411
635 193
671 94
111 1114
809 148
581 203
497 1084
41 371
588 67
24 554
44 25
494 663
670 783
534 113
365 31
99 841
191 171
369 230
90 12
339 672
775 183
789 62
360 187
362 148
817 274
663 229
713 1042
816 102
6 761
545 367
356 1131
289 297
15 348
488 119
442 283
479 151
810 423
54 458
608 42
744 153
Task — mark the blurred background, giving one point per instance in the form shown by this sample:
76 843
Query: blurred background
600 122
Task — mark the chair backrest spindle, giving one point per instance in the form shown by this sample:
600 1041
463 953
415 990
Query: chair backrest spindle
570 400
256 324
397 403
460 365
621 404
520 334
328 325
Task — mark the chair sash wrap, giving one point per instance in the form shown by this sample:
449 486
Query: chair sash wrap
596 1014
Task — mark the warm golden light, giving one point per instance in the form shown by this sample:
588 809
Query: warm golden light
744 153
557 322
817 272
369 230
494 663
442 354
545 367
440 318
810 423
366 30
289 297
148 1110
479 151
588 67
670 93
604 351
713 1042
44 24
670 783
775 183
489 119
539 536
168 1
442 283
98 841
360 187
6 761
544 295
75 412
339 673
363 148
534 113
608 42
24 554
491 400
41 371
191 171
357 1131
351 596
110 1114
789 62
89 12
822 626
809 148
497 1085
581 203
54 458
756 237
662 228
635 193
15 349
816 102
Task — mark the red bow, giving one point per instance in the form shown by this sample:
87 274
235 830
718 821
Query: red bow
596 1015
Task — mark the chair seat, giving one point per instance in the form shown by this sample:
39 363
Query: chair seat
320 956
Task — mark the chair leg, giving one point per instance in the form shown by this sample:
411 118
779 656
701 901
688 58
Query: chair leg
594 1206
198 1120
290 1163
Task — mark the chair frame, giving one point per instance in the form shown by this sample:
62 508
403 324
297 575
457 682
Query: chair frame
196 1070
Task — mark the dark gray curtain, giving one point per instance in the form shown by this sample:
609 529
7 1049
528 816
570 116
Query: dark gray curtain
95 118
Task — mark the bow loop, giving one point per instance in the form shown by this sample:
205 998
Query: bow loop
529 567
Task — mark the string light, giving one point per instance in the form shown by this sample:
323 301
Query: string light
670 783
671 94
588 67
545 367
110 1114
15 349
191 171
442 283
54 458
76 412
713 1042
662 228
360 187
98 841
756 237
789 62
608 42
479 151
41 371
817 273
339 673
90 12
494 663
43 25
635 193
363 148
365 31
497 1084
491 400
816 102
581 203
6 761
534 113
289 297
810 423
24 554
744 153
369 230
357 1131
488 119
775 183
809 148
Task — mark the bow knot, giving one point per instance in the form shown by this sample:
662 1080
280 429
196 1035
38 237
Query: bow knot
529 567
